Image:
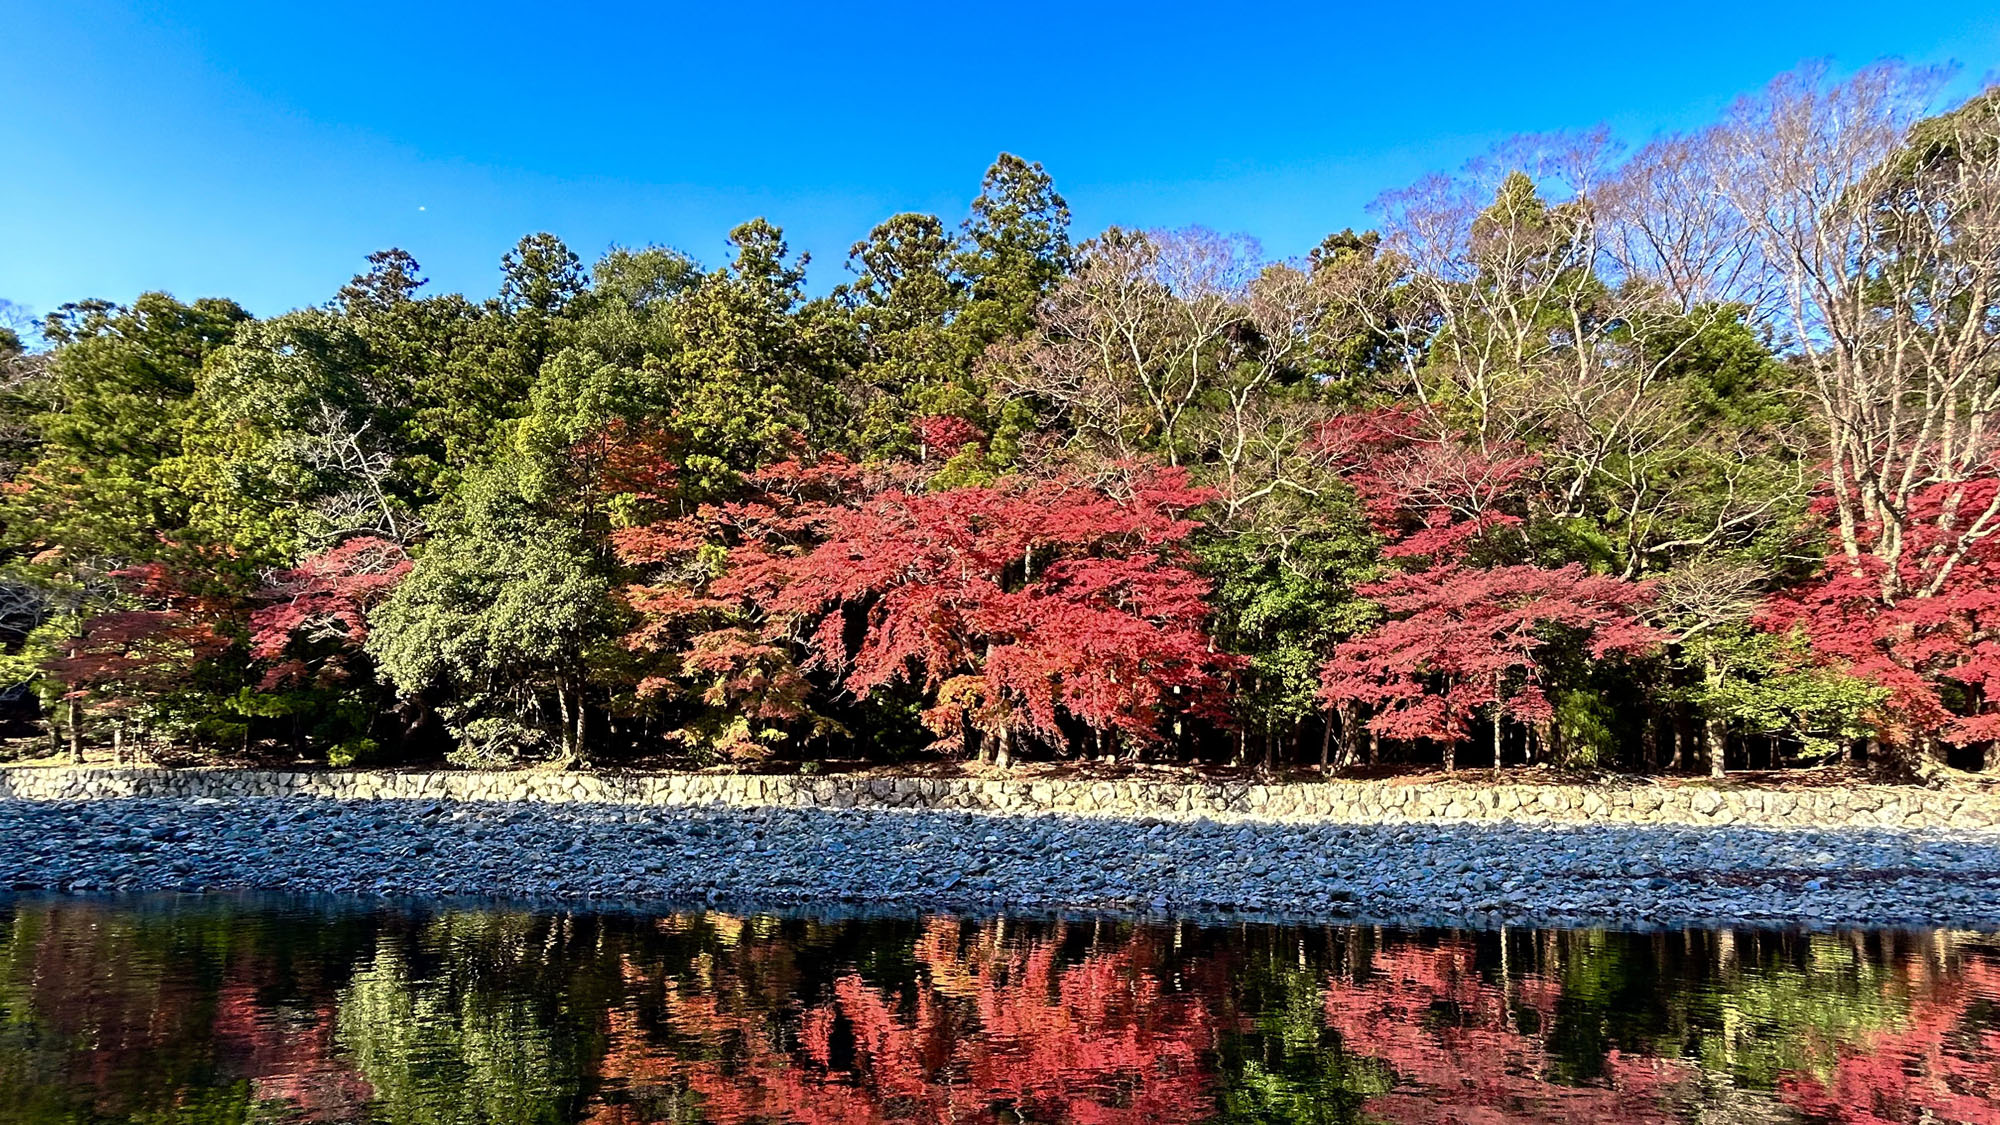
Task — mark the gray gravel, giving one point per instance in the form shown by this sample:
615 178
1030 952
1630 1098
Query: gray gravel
1479 874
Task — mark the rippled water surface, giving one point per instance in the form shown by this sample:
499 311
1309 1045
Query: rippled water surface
198 1010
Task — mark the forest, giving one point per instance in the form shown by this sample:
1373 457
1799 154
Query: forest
1674 457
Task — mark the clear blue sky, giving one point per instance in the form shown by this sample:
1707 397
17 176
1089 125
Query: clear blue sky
259 151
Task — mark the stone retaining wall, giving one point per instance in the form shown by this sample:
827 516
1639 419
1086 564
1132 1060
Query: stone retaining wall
1872 806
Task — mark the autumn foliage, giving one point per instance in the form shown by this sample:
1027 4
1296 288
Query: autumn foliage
1430 492
1038 609
1548 458
315 616
1461 641
1463 638
178 615
1923 622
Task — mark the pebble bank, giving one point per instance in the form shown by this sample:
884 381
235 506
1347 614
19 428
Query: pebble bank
1638 855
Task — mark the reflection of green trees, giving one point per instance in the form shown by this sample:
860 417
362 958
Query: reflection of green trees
1789 1013
477 1017
1286 1066
1751 1006
439 1052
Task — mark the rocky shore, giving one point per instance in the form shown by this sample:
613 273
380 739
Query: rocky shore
1460 873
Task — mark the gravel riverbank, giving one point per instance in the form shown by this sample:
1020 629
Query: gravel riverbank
1459 873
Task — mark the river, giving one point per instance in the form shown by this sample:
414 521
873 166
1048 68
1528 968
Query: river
215 1009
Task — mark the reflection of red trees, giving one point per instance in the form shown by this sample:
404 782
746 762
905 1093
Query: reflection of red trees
1941 1063
989 1032
1454 1043
127 1030
287 1056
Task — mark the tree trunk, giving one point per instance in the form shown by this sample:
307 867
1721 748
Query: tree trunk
1497 728
566 729
1451 757
1003 756
1350 734
1326 744
75 732
1713 728
1929 756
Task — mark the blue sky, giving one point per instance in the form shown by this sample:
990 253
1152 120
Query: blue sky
259 151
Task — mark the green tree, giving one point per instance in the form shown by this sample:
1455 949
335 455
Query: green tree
294 441
755 370
904 303
1017 248
119 383
629 313
498 621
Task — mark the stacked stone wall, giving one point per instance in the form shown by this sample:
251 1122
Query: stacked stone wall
1862 806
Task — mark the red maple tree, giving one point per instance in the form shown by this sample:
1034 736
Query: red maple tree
1027 608
1017 607
941 436
1923 622
182 612
1429 493
1460 638
709 647
316 614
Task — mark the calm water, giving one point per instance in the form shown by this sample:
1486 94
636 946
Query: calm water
195 1010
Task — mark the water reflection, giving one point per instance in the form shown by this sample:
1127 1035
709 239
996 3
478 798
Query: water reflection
198 1011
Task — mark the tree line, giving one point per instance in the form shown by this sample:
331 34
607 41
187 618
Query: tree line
1677 458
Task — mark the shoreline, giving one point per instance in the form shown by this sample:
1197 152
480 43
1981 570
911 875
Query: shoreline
1475 873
